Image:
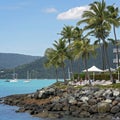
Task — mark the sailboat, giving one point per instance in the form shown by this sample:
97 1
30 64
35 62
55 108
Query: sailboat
14 77
28 77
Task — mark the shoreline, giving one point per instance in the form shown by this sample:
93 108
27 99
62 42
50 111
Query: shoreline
58 101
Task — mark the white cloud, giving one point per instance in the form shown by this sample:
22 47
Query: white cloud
50 10
72 14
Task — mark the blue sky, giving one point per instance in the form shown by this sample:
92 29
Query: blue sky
31 26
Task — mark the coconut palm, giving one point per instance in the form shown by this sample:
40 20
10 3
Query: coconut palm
115 21
97 20
62 53
86 50
67 34
52 60
76 45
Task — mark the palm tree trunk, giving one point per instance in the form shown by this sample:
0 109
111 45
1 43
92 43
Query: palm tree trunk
86 68
78 69
71 65
103 57
64 76
107 61
56 74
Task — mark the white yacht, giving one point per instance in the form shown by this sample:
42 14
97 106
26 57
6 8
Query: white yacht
28 77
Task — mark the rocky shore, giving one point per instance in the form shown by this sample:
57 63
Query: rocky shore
58 102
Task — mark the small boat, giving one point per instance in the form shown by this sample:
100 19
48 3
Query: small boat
13 80
28 77
14 77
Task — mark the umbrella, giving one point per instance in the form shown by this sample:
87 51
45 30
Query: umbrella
93 69
112 70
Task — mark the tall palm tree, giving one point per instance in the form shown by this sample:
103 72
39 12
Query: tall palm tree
62 52
97 20
52 60
76 45
86 50
115 21
67 34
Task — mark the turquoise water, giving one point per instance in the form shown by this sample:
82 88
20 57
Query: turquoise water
20 87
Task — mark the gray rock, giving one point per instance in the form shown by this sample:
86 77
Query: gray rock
115 109
85 107
117 115
73 108
92 101
103 107
93 109
22 109
57 107
118 99
98 93
72 100
108 92
84 114
108 101
84 98
116 92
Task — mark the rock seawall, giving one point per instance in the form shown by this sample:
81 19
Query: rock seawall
53 102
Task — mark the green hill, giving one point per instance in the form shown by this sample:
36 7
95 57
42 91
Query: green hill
37 69
10 60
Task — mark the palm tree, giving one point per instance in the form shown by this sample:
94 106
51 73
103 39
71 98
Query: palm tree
62 53
76 45
52 60
97 20
115 21
86 50
67 34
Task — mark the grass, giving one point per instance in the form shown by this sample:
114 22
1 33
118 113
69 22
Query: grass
61 85
117 85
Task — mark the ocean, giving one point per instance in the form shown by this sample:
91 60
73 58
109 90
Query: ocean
20 87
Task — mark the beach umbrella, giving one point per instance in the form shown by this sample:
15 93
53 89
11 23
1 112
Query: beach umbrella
93 69
112 70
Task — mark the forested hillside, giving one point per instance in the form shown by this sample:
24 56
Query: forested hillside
10 60
37 69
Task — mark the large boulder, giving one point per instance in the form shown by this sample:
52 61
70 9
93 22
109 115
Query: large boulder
103 107
99 93
92 101
93 109
116 92
45 93
72 100
115 109
84 98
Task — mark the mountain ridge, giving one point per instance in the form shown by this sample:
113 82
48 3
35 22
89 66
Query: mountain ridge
11 60
37 69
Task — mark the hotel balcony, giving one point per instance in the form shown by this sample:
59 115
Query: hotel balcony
115 50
